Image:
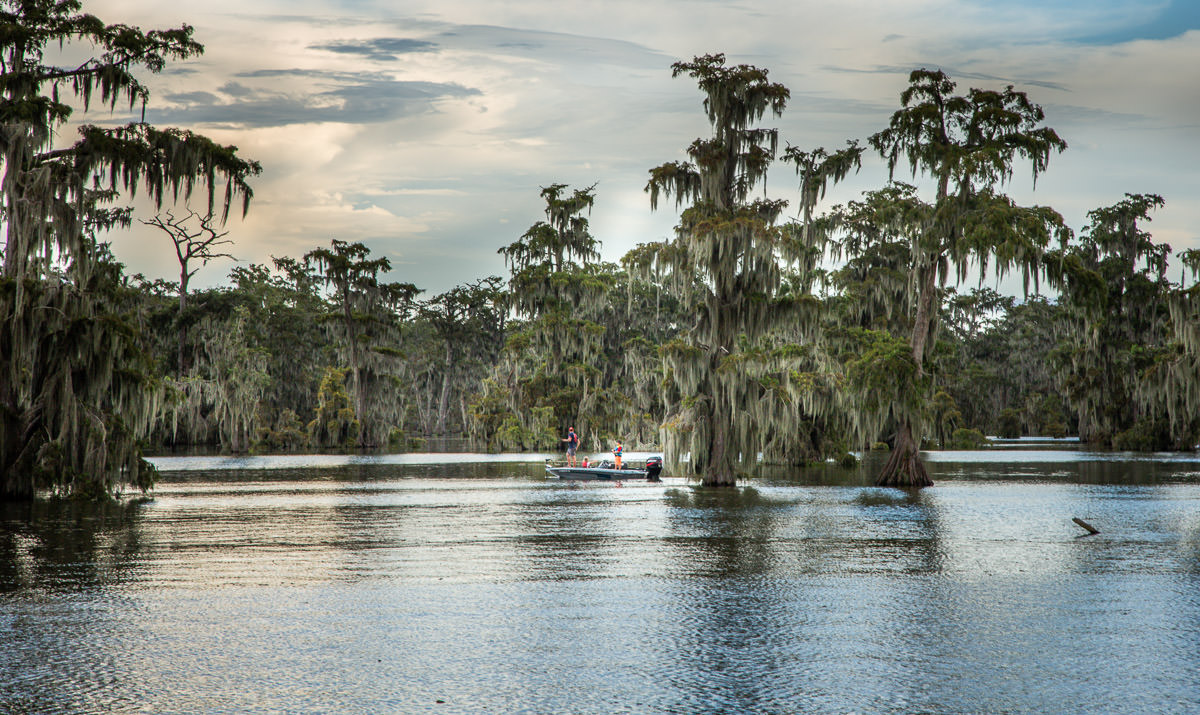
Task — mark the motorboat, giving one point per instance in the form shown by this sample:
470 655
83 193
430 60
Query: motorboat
607 470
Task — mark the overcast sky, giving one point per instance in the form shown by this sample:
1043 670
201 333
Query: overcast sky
426 129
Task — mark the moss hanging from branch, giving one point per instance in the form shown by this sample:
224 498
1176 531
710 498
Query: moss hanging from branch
968 144
748 375
366 315
1127 361
552 370
76 394
723 264
78 387
467 323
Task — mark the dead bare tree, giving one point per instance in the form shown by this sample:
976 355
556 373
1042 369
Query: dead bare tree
201 243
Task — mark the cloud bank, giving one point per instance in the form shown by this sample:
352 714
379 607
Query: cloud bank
426 129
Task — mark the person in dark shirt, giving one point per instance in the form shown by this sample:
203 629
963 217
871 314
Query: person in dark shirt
572 441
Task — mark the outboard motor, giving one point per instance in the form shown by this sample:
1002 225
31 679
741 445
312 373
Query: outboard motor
653 468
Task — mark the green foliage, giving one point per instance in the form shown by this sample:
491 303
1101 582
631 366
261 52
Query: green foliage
1010 423
999 358
364 315
1044 414
497 428
287 433
964 438
564 236
1117 363
946 416
284 311
78 391
77 395
730 386
570 358
1148 434
968 144
258 344
819 168
883 380
335 424
467 325
1057 430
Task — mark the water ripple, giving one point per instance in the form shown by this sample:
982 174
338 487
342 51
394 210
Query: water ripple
399 589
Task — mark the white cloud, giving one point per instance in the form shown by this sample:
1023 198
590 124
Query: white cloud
427 128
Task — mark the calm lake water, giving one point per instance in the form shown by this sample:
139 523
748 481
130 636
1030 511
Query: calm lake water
451 584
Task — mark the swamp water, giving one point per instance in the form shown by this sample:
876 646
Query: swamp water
467 584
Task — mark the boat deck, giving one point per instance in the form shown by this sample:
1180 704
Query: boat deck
595 473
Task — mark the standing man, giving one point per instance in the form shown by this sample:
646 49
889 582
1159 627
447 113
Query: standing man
572 441
617 454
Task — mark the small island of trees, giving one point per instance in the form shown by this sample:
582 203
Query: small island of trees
742 340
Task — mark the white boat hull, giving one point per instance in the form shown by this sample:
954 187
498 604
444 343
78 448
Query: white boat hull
595 473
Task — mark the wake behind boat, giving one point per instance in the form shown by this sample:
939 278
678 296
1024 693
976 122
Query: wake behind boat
606 470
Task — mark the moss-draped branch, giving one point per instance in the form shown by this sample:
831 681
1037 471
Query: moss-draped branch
75 420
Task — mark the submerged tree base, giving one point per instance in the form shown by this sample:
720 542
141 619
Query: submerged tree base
718 482
904 467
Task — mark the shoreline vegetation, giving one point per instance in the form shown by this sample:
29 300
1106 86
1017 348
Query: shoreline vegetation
852 327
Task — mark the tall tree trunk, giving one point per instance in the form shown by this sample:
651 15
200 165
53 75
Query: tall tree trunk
719 472
360 392
904 467
182 337
444 398
12 484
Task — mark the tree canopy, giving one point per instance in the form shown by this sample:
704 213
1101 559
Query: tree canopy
969 145
76 392
743 340
724 264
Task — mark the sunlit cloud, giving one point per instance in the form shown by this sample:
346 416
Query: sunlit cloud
427 129
353 99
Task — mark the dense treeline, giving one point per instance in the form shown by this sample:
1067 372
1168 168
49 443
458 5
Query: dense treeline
742 339
507 364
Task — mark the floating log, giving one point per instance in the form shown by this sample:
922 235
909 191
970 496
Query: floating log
1091 529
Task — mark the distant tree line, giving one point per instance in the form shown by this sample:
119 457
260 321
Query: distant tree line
742 339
